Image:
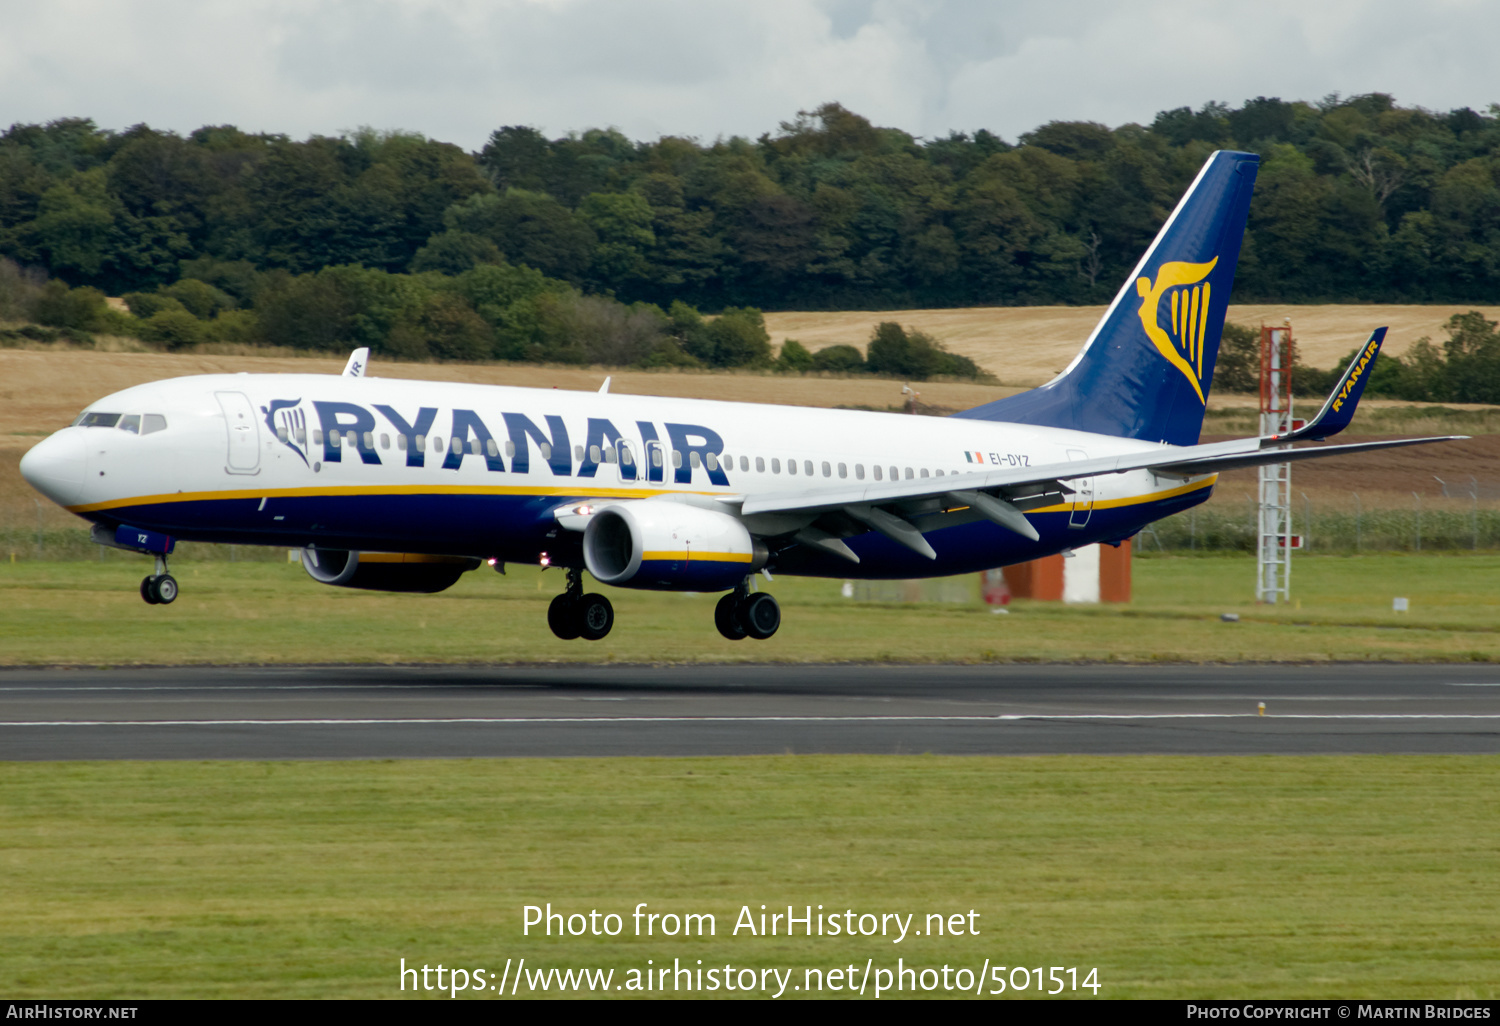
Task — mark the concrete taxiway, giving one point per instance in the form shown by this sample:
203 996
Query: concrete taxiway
495 711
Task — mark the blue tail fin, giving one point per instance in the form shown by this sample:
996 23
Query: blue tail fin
1145 371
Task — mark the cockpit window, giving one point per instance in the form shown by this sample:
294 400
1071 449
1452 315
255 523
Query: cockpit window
90 418
153 422
131 422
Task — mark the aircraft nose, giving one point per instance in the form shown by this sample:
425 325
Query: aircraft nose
55 467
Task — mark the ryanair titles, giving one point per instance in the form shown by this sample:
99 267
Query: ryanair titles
340 428
1355 373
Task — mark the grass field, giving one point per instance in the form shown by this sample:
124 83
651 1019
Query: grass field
1176 877
90 613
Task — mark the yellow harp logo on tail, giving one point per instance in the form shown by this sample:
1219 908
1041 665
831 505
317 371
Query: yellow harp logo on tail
1182 341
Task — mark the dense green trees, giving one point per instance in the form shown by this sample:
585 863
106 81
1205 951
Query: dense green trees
592 244
1359 199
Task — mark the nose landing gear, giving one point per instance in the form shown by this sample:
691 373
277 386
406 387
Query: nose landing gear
576 615
160 588
742 613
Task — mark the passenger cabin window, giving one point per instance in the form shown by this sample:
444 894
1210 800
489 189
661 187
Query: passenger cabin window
437 443
924 471
677 458
807 467
775 465
760 464
694 459
401 442
546 450
317 437
711 461
656 457
131 422
745 463
152 423
827 470
843 470
877 473
791 466
385 441
909 474
281 435
859 471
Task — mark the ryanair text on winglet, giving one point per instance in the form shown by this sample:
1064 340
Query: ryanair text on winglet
1354 375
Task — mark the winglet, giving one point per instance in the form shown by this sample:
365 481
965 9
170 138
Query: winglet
604 388
1339 408
358 360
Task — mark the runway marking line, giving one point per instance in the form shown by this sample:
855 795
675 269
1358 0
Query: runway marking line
1001 718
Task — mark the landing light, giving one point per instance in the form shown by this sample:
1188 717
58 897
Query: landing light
583 510
546 560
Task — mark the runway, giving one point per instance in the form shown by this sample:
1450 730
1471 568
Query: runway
498 711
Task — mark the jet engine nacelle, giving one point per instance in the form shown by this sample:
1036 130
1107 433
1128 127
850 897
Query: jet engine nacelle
669 546
385 571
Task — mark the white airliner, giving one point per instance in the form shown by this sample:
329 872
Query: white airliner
404 485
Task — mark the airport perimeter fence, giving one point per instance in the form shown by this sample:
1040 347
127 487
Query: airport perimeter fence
1426 525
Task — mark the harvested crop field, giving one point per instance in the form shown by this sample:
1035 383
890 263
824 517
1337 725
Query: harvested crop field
1027 345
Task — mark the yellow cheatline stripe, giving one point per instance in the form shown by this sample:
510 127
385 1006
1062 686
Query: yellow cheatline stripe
1133 500
692 557
357 490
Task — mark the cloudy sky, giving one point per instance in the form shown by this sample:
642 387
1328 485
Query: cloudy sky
457 69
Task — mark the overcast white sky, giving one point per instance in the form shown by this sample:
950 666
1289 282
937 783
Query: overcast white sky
457 69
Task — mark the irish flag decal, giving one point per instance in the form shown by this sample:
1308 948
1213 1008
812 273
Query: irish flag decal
974 457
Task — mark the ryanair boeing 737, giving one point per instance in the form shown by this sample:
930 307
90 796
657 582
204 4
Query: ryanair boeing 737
401 485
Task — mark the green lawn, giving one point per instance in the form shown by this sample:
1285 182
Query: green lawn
1175 877
90 613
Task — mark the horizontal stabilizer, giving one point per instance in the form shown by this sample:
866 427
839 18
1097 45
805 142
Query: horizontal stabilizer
1193 467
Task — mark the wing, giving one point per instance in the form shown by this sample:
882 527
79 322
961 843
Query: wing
1004 496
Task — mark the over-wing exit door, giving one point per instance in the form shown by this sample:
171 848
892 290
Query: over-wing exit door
1083 494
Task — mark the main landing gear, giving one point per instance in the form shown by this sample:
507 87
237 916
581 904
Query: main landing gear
160 588
743 612
576 615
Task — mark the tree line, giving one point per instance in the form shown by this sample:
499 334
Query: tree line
1464 368
592 247
1359 199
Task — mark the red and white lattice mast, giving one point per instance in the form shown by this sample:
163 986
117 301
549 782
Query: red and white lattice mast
1273 565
